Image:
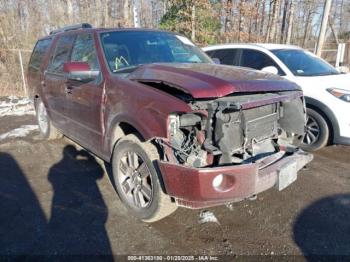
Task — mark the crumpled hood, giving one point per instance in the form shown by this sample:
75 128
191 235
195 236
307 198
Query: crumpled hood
211 80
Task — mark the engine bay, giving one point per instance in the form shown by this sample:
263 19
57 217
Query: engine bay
236 129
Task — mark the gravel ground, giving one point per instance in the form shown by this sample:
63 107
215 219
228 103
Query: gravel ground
56 198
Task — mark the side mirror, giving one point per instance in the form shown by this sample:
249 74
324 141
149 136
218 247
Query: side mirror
79 71
270 69
216 60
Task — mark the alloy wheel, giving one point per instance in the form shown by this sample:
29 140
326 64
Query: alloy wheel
135 180
312 131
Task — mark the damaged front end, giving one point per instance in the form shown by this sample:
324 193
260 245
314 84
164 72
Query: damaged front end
231 148
237 129
238 137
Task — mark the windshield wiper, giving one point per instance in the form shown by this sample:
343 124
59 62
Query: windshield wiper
327 74
122 70
319 74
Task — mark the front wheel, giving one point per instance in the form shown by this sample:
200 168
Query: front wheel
317 131
137 181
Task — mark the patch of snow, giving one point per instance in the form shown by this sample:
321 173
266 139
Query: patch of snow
22 131
16 106
207 217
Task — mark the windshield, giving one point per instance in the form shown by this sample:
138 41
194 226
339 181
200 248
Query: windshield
126 50
304 63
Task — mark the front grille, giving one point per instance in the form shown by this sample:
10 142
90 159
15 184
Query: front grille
262 127
232 129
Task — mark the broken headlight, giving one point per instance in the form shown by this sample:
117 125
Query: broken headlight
183 130
175 122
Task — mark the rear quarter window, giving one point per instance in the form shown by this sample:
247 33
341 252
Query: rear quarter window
38 54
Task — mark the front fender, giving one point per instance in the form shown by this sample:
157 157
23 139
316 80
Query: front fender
142 107
311 102
147 129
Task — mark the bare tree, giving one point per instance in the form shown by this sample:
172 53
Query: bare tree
106 14
309 16
228 16
193 23
263 6
127 13
69 10
284 21
269 21
290 22
275 12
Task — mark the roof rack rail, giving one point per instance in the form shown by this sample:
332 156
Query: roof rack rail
70 27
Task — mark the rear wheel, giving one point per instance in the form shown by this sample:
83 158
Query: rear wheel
317 131
137 180
47 130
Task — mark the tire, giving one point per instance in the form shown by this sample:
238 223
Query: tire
47 130
137 180
317 131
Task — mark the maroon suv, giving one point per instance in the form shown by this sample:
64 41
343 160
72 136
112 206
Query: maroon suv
178 129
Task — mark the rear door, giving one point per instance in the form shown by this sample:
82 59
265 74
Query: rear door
257 60
54 82
35 65
83 99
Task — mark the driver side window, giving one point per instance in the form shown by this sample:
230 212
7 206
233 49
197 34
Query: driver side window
61 54
84 51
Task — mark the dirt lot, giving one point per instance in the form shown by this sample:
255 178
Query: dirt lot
56 198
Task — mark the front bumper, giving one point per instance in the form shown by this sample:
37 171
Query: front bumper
193 187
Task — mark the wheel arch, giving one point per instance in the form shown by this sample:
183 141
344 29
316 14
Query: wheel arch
328 115
146 126
122 129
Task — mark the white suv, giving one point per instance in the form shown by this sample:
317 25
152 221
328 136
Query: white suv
327 91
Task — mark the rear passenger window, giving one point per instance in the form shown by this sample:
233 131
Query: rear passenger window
258 60
226 56
38 54
84 51
61 54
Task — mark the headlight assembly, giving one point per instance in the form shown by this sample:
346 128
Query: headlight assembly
340 93
173 124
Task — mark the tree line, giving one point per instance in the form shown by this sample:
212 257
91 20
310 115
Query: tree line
204 21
